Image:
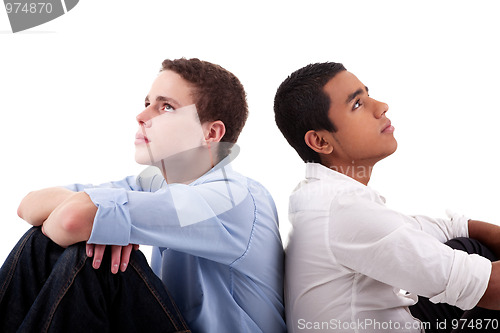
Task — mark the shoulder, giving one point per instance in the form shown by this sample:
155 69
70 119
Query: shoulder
252 195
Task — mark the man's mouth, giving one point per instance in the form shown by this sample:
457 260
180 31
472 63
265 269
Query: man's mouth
388 128
141 139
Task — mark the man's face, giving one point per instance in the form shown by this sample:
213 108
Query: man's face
169 123
364 133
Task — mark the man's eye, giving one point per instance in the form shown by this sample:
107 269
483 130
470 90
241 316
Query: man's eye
356 105
167 108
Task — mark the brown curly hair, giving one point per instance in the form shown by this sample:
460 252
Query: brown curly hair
218 94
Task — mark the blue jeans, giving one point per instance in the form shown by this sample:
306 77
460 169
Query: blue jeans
47 288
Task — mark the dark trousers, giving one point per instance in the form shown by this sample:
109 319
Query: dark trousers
446 318
47 288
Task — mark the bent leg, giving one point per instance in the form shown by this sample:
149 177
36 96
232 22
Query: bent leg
59 291
71 298
23 275
83 299
140 291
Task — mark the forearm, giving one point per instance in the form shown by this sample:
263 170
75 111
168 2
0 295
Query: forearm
71 221
486 233
36 207
491 298
489 235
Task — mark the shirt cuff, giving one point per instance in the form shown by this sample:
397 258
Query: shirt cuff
460 224
112 222
469 277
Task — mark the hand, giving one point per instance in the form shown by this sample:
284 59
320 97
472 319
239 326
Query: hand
120 255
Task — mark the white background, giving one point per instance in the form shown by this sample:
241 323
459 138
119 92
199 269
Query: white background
70 90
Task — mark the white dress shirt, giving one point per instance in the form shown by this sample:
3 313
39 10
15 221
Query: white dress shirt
350 258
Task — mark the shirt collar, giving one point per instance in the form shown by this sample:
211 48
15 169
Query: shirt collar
218 171
151 178
319 171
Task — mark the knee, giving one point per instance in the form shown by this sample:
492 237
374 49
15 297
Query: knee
471 246
36 240
462 243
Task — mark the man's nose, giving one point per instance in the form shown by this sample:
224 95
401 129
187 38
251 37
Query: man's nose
144 117
380 109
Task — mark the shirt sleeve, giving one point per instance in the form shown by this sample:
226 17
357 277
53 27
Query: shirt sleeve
213 220
128 183
443 229
367 237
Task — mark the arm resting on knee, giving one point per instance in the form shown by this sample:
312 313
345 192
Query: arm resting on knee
71 222
36 207
491 297
486 233
489 235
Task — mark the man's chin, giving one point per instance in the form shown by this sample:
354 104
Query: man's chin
143 160
395 147
388 152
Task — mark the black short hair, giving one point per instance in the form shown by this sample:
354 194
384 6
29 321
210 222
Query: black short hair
301 104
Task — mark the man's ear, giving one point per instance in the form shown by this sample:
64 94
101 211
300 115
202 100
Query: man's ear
214 131
317 141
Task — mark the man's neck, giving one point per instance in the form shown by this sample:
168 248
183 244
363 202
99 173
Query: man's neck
186 167
359 171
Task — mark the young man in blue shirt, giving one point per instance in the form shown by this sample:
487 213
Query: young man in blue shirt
215 232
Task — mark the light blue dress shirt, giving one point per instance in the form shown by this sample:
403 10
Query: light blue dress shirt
216 242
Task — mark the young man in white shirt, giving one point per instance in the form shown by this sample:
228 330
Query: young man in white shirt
214 232
352 264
